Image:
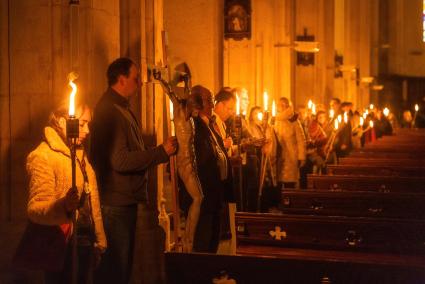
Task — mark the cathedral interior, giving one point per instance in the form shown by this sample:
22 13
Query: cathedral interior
366 52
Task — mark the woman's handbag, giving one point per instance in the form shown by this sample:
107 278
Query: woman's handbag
43 247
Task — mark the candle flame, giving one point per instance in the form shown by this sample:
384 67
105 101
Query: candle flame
260 116
416 107
339 118
336 124
313 109
72 98
371 106
266 100
345 117
331 113
361 121
309 104
238 105
273 108
171 110
371 124
386 111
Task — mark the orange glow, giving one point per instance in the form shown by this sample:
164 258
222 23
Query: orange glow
260 116
173 131
266 101
72 97
273 109
238 105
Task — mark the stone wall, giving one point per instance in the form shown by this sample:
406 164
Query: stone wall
37 54
195 35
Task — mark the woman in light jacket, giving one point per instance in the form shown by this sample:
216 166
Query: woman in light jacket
291 138
52 202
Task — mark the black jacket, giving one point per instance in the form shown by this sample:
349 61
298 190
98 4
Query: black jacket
118 154
215 191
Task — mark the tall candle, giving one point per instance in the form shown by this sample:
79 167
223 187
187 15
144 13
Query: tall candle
72 98
173 131
266 101
309 104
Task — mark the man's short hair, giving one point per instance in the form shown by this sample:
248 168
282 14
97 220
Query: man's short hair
224 95
338 101
285 101
346 104
120 66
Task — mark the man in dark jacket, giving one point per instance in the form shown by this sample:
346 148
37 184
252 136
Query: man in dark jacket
122 162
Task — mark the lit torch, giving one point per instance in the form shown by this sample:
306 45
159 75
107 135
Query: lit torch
386 111
266 106
172 127
72 134
416 113
336 124
260 116
266 101
309 104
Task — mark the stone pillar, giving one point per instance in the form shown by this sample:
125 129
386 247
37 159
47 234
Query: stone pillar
311 82
5 146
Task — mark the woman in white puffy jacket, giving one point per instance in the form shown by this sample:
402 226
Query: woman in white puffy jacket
51 199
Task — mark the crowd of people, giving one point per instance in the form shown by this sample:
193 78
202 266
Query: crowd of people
243 154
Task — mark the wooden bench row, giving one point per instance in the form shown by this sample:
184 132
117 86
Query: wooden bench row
373 170
354 204
366 183
293 266
397 236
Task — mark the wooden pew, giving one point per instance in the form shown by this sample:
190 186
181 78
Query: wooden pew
354 204
293 266
366 183
387 155
378 235
368 170
382 161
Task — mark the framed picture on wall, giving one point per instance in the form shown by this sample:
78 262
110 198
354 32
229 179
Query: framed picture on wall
237 19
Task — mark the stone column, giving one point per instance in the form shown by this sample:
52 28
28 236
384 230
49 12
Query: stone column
5 137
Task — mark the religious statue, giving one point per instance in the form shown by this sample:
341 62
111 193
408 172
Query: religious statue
185 106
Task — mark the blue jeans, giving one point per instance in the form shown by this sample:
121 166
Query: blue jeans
120 227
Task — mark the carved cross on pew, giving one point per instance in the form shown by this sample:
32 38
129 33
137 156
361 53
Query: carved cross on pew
277 234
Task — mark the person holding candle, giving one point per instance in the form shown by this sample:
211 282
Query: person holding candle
224 109
52 202
319 139
342 143
407 119
291 139
382 124
122 162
